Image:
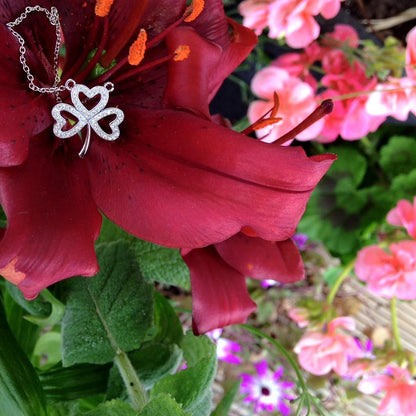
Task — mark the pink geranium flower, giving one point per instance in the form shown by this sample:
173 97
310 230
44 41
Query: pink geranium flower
293 19
411 53
321 352
266 389
400 388
300 316
404 215
396 103
389 274
297 101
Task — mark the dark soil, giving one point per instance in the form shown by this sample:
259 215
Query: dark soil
382 9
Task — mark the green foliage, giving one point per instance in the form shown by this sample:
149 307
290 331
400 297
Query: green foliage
224 406
355 195
20 389
192 386
70 383
108 311
112 408
398 156
164 405
162 264
167 327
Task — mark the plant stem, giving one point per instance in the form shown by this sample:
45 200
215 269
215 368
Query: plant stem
339 281
394 324
135 389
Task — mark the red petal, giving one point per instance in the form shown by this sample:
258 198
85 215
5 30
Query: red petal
181 181
207 66
261 259
23 114
52 221
219 292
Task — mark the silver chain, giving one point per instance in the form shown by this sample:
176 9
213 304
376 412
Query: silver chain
53 17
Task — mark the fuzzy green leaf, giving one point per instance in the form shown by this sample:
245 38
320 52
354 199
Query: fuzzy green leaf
111 310
164 405
112 408
162 264
192 387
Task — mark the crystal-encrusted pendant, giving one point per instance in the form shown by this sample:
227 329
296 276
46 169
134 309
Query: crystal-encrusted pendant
87 117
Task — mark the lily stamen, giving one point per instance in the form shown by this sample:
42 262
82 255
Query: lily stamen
128 31
322 110
265 120
138 49
181 53
194 10
102 7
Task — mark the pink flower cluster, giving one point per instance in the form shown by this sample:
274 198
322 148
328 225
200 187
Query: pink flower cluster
392 274
330 349
400 388
369 102
400 98
293 19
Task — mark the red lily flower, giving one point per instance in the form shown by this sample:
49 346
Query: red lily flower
174 177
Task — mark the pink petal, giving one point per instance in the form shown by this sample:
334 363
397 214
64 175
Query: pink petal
219 293
374 384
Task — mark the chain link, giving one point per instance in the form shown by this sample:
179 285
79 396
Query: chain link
53 17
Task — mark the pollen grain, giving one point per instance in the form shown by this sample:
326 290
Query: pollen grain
194 10
181 53
138 49
102 7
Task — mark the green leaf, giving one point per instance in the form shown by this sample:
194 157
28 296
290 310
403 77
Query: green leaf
38 306
398 156
224 406
20 389
152 362
112 408
111 232
192 387
404 186
350 163
47 350
162 264
331 275
69 383
167 327
111 310
162 405
26 334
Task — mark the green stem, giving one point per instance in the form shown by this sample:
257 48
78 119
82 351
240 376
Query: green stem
361 93
135 389
394 324
339 281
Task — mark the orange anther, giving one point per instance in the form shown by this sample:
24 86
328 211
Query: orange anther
261 124
102 7
137 50
194 10
181 52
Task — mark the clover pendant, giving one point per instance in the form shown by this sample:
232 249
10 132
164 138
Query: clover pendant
87 117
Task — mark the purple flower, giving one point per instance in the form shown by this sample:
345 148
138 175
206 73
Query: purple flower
266 390
225 347
300 240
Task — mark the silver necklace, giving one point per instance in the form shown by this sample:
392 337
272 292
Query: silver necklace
86 117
